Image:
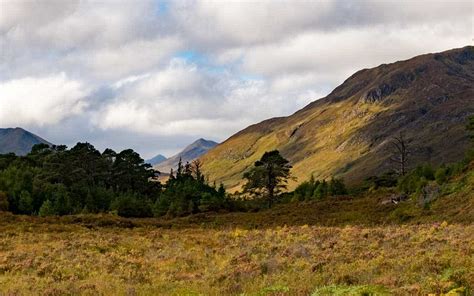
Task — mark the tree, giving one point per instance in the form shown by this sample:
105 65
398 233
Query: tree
400 153
321 191
47 209
25 203
196 166
268 177
336 187
470 127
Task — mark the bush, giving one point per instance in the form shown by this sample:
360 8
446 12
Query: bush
47 209
321 190
131 205
161 206
386 180
25 203
3 201
441 175
415 180
336 187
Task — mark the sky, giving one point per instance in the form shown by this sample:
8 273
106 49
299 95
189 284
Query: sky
155 75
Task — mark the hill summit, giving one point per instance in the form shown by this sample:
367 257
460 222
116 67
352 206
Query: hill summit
18 141
348 133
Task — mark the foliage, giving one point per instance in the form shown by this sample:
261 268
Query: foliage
316 189
268 177
416 179
470 126
187 192
132 205
343 290
47 209
3 201
55 180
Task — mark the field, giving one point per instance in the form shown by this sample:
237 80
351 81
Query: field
338 246
218 255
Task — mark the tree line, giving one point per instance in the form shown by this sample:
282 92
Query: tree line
59 181
54 180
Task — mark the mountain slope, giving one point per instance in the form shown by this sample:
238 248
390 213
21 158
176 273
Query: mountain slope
18 141
190 153
156 160
348 133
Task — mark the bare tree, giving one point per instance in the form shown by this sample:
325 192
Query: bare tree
400 153
196 169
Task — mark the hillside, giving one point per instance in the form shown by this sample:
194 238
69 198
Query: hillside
190 153
347 134
18 141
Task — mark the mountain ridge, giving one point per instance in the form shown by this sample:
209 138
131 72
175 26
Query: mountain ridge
188 154
18 140
346 133
156 160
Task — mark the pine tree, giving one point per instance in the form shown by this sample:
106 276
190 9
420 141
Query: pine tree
47 209
268 177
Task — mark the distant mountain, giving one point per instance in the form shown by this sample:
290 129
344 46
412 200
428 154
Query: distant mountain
156 160
18 141
190 153
348 134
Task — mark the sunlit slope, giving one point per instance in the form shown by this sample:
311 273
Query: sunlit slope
347 133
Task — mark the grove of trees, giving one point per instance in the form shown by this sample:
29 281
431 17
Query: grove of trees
60 181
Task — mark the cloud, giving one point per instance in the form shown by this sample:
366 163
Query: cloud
40 100
216 25
187 99
175 70
97 39
337 55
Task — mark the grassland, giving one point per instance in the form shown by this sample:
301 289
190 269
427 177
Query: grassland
345 246
54 258
338 246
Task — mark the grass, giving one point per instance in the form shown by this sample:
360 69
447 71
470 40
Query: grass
338 246
60 258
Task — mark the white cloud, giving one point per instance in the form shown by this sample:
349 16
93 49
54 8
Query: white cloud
40 100
188 100
131 58
339 54
219 25
253 60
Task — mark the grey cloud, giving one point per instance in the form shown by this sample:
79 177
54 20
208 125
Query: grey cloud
263 59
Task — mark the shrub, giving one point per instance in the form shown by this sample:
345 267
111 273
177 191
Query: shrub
131 205
415 180
321 190
3 201
46 209
336 187
441 175
161 206
25 203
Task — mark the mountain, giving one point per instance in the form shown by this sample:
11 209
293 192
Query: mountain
349 132
190 153
18 141
156 160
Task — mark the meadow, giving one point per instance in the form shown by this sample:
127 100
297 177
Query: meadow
346 245
235 254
